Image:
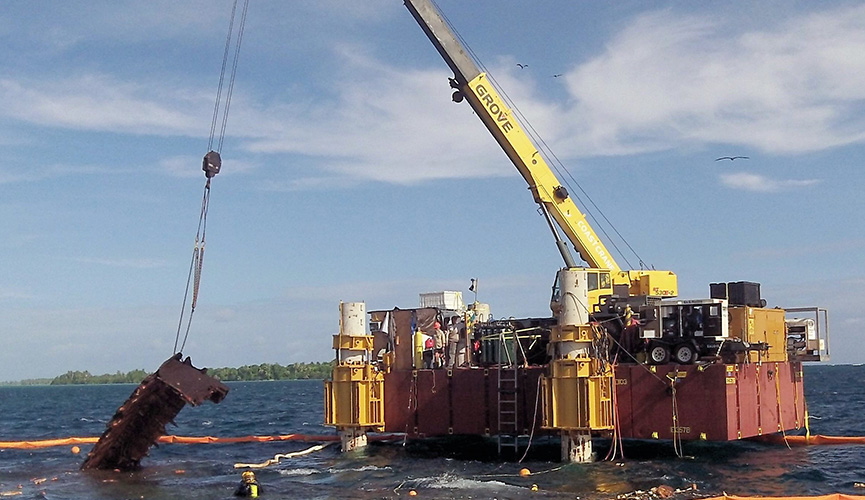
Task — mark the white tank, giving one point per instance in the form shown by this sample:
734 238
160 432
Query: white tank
353 318
573 297
482 312
573 310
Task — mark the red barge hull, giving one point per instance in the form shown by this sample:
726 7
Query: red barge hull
717 402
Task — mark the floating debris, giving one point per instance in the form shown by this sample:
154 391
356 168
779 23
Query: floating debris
141 420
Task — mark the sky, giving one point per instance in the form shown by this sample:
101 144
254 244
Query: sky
349 175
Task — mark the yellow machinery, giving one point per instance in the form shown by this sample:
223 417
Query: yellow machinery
758 325
354 398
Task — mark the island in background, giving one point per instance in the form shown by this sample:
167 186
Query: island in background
264 371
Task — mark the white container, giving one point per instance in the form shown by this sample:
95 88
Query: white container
450 300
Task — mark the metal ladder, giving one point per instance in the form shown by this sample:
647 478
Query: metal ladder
508 431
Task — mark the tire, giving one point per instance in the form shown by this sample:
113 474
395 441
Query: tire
684 354
659 354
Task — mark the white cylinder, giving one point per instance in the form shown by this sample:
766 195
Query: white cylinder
353 325
574 297
353 319
482 312
571 349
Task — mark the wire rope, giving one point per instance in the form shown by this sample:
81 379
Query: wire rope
211 166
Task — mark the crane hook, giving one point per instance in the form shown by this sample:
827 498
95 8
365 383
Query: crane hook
211 164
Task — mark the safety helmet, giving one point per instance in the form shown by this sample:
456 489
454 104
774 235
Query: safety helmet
248 476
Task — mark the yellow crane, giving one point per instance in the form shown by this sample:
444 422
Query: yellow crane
556 204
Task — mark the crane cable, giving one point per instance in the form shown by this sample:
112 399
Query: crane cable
211 166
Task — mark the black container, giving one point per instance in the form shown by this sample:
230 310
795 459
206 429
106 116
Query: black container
744 293
718 291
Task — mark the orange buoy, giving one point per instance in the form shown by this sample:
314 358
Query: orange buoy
525 472
412 493
76 450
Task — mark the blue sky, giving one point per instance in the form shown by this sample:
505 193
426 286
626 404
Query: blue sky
349 175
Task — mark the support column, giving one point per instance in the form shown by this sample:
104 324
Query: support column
352 438
577 447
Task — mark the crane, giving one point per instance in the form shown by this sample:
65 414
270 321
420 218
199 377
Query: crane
557 206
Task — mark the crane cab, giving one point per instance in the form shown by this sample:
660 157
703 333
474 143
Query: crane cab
589 287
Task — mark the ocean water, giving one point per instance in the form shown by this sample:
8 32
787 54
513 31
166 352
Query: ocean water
462 468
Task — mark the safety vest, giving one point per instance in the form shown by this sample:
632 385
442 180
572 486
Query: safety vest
253 490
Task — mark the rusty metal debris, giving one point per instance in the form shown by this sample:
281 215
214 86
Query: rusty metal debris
141 420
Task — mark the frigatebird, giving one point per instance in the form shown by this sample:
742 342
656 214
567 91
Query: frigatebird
731 158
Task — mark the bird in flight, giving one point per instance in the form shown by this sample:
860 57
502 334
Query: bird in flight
522 66
558 75
731 158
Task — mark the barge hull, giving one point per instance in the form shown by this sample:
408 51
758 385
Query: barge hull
718 402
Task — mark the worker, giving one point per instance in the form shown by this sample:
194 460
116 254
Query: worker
462 344
630 333
248 486
439 340
453 340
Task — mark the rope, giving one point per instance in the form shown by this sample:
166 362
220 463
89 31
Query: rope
677 437
195 267
279 456
780 415
534 421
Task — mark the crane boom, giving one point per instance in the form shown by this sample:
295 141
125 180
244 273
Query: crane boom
553 198
474 85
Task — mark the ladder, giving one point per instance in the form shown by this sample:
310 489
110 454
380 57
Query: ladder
508 430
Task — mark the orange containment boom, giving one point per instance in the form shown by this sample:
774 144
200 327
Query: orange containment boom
816 439
313 438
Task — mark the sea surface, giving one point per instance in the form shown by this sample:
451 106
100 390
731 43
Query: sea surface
461 468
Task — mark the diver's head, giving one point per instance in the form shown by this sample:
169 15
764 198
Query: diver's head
248 476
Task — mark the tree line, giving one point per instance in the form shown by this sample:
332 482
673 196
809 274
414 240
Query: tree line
264 371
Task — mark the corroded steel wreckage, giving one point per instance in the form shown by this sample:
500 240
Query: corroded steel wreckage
141 420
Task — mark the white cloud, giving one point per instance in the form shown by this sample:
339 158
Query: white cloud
668 78
665 81
142 263
103 103
13 294
763 184
384 124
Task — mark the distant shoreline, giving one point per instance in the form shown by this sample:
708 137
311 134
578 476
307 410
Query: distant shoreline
247 373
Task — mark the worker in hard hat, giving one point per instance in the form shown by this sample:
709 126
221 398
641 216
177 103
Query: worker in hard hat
248 486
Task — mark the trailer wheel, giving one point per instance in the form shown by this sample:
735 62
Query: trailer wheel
684 354
659 354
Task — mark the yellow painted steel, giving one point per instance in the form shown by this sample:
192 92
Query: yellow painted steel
578 395
758 324
418 350
354 343
355 397
573 333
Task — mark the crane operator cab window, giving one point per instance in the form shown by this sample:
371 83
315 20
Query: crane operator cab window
598 283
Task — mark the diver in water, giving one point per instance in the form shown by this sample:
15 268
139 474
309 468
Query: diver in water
249 486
